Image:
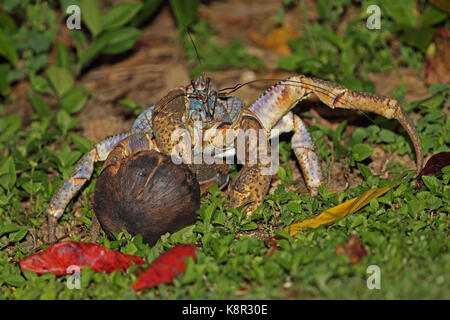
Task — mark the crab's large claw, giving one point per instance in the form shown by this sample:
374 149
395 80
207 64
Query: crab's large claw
276 102
336 96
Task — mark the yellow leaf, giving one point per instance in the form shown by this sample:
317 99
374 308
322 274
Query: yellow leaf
339 211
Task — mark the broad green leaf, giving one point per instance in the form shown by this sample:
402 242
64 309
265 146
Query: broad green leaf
401 11
6 22
121 40
249 226
361 151
432 183
281 173
91 16
348 207
120 15
147 11
74 100
185 12
93 50
40 42
14 280
190 274
387 135
7 228
40 84
8 174
18 235
64 121
431 16
7 48
365 171
61 79
63 58
83 144
10 124
438 87
41 107
419 38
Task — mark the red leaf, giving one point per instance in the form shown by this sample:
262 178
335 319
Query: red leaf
164 268
433 166
58 257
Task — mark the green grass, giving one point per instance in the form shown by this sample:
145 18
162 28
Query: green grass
405 232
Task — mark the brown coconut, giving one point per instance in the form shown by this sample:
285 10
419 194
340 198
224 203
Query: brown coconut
146 194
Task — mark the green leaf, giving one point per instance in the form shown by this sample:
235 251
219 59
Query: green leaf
365 171
419 38
401 11
74 100
150 7
92 51
361 151
40 84
432 183
18 235
83 144
40 42
120 15
281 173
41 107
185 12
7 228
6 22
8 174
7 48
64 122
387 136
249 226
121 40
91 16
61 79
14 280
431 16
190 274
63 58
438 87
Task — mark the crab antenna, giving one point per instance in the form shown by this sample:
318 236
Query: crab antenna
195 47
208 83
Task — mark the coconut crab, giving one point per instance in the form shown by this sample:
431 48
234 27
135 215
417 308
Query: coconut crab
217 121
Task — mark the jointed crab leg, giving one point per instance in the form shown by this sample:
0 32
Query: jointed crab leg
303 146
81 173
279 99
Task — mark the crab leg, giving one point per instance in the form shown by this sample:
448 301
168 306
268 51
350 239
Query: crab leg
250 186
279 99
303 146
